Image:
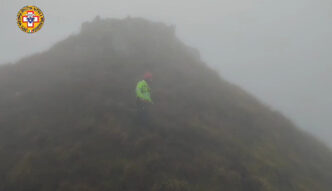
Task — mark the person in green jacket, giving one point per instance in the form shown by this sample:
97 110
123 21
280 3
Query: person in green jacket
143 94
143 89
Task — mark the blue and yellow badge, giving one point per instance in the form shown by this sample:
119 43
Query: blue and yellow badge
30 19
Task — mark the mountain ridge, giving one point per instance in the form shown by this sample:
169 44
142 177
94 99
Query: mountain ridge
68 121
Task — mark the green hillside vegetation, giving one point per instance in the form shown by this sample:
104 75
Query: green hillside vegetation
68 121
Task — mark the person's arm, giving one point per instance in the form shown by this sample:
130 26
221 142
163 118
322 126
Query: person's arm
148 97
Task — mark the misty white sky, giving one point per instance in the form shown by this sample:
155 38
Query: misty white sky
279 50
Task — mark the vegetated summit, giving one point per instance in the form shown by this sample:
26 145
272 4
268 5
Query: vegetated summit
68 121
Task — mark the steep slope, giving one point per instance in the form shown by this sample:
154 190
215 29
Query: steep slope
68 121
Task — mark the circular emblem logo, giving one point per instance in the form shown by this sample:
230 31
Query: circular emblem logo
30 19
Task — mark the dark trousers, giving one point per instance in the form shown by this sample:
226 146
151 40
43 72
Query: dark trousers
142 111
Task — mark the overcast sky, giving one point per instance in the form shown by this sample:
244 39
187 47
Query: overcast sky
279 50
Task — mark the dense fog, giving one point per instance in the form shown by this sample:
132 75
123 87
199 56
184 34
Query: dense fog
277 50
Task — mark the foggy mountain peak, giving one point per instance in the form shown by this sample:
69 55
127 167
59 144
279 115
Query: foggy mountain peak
122 37
69 121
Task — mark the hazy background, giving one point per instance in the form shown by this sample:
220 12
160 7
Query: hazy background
280 50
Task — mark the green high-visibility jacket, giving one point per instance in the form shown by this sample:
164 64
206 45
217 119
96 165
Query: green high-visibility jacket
143 91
